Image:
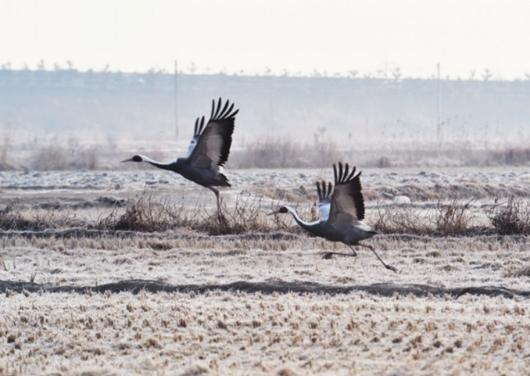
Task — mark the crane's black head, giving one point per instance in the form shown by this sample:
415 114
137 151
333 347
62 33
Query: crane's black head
281 210
136 158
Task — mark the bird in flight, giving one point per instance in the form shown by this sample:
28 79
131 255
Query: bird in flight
341 212
207 152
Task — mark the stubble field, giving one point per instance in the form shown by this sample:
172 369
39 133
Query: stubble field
86 292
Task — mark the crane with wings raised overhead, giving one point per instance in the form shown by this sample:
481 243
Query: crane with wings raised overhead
208 150
341 212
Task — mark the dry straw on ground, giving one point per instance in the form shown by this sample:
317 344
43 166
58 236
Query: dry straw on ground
241 334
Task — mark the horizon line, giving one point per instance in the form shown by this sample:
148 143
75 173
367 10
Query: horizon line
484 76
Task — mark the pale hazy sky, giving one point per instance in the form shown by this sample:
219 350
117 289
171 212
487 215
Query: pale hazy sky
331 35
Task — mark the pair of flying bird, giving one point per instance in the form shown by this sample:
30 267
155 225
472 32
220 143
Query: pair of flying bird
341 207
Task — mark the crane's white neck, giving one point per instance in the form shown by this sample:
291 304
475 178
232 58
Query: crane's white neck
162 165
297 218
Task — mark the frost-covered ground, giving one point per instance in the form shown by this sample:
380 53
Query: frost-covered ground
228 332
199 259
224 333
416 183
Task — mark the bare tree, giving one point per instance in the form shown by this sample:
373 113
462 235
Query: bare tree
487 74
192 68
353 73
381 73
396 73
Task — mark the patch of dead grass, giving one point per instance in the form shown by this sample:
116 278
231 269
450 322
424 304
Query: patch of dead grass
35 220
248 214
452 219
280 153
73 156
513 218
146 214
521 272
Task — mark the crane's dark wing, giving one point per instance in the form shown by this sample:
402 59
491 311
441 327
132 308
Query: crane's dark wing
347 203
324 190
210 145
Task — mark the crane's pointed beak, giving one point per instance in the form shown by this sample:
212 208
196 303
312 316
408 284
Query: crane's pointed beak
127 160
274 212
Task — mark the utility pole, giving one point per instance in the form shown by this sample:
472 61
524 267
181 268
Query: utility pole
176 104
438 110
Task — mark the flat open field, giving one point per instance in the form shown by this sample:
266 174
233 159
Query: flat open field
82 296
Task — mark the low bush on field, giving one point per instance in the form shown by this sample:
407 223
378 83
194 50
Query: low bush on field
145 214
452 219
247 214
513 218
35 220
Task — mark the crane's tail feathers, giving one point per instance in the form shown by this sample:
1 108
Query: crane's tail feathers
223 180
370 233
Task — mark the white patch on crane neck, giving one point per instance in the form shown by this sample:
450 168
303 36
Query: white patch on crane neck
297 217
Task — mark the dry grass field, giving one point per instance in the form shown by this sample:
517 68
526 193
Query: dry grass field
119 273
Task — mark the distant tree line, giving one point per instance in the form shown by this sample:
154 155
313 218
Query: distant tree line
68 70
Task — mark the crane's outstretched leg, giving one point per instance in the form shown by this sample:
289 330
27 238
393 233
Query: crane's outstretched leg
389 267
329 255
218 198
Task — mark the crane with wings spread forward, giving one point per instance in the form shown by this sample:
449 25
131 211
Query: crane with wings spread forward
341 212
208 151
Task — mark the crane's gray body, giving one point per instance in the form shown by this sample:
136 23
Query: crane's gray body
207 177
349 234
